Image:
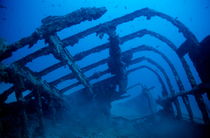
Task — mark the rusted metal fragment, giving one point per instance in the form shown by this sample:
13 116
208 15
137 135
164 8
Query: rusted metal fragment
61 53
52 24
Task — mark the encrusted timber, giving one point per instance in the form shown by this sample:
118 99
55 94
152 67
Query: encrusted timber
115 63
199 89
176 76
149 13
28 81
104 61
196 91
98 49
52 24
61 53
104 46
137 34
171 89
98 86
185 31
143 12
22 79
126 38
167 107
136 61
82 55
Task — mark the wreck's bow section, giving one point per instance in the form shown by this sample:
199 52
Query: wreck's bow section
46 97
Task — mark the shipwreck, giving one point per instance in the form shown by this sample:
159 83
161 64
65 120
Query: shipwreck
46 101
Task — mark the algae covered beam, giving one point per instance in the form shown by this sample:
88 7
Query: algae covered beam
148 13
61 53
115 63
99 48
52 24
29 81
197 91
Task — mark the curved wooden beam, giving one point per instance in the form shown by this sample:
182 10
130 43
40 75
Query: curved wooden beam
149 13
53 24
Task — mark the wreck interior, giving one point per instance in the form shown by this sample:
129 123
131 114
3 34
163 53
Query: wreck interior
83 94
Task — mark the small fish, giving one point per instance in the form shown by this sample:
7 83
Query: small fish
126 7
2 6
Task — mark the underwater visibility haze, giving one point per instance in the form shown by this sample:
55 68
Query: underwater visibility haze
104 69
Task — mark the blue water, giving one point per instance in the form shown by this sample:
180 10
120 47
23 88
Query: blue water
21 17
